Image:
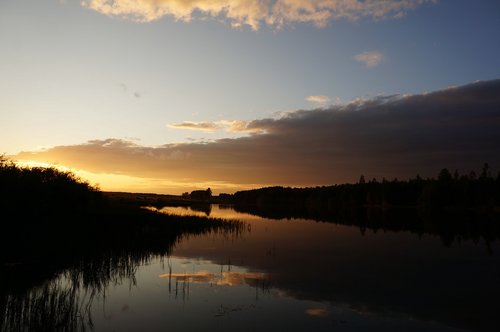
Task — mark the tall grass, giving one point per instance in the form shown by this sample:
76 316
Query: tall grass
55 226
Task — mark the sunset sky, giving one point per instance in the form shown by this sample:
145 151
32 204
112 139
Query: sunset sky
170 96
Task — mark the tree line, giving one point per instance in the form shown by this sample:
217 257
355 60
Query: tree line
446 191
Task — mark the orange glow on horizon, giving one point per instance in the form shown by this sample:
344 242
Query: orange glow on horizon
128 183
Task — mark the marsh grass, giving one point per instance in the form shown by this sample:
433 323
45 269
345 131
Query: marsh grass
52 288
61 239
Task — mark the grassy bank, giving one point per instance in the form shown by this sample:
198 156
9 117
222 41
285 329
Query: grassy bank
53 224
52 219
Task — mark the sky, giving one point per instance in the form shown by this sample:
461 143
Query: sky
170 96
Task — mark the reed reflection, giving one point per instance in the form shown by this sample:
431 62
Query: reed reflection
58 291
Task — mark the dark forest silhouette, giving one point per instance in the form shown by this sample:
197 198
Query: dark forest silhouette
453 206
447 191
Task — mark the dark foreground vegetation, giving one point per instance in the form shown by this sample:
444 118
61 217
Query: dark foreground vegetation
54 224
48 209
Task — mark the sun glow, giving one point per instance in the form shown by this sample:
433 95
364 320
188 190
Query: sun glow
102 180
127 183
34 164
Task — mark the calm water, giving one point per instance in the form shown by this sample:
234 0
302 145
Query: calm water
302 275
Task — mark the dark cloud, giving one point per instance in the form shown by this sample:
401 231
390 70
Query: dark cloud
392 136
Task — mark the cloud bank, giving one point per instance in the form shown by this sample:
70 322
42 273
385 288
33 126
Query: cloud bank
254 13
394 136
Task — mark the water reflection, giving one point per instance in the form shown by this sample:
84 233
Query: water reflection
49 307
50 283
373 272
450 226
223 278
214 211
296 274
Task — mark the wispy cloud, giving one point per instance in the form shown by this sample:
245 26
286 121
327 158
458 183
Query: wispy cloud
392 136
202 126
254 13
370 59
231 126
319 100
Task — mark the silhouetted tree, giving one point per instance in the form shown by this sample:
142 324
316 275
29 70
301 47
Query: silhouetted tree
444 176
485 173
201 195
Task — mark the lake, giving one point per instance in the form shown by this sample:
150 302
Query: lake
300 275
